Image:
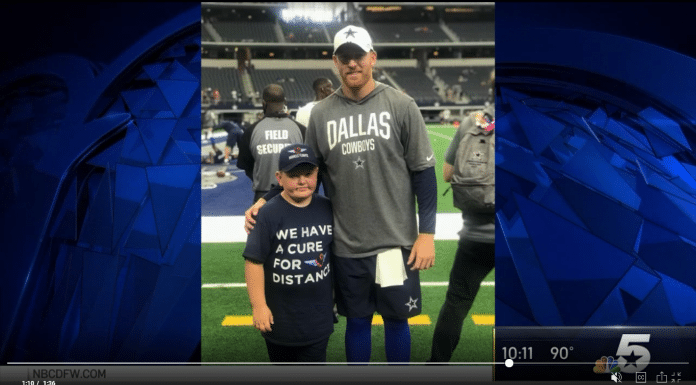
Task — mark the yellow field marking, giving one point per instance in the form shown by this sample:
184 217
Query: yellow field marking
238 320
423 319
483 319
246 320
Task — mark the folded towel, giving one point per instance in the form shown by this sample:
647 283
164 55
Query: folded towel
390 269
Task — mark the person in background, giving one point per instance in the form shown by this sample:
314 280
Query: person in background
216 156
475 255
323 87
234 136
260 146
208 120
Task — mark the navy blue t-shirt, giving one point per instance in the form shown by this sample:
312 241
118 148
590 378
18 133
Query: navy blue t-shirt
294 245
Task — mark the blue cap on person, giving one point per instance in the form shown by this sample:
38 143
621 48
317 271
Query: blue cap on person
354 35
295 155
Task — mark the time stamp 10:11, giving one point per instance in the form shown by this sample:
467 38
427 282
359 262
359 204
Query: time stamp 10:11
526 353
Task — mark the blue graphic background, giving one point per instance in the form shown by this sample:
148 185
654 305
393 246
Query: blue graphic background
596 172
100 183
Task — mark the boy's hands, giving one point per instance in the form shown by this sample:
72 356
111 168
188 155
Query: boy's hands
261 314
263 318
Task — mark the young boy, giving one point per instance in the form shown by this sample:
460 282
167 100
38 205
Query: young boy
287 268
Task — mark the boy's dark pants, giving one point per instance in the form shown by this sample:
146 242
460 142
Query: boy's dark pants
309 353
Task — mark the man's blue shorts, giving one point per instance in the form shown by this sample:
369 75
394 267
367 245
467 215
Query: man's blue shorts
357 294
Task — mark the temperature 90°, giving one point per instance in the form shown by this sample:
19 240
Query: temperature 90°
560 352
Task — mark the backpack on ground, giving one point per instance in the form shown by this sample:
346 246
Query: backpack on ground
473 179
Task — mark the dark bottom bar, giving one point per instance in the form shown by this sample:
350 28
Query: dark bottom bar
629 354
243 374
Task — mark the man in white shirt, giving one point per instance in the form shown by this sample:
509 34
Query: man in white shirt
322 88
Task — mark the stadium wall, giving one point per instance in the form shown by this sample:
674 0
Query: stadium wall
327 63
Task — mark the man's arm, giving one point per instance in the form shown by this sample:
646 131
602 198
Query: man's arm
447 171
451 153
251 213
419 156
423 252
245 160
262 316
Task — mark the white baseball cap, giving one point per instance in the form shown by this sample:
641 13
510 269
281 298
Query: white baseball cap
355 35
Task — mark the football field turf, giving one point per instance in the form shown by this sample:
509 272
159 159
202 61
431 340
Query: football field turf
225 301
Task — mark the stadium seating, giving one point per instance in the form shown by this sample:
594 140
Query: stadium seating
295 33
406 32
392 34
471 80
205 35
415 83
473 31
246 31
224 79
297 84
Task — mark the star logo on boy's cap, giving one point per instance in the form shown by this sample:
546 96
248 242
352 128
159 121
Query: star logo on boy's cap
350 33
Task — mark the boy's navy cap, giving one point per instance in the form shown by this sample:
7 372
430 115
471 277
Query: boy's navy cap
294 155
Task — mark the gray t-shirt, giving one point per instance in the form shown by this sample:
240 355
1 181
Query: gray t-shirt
477 228
370 148
268 137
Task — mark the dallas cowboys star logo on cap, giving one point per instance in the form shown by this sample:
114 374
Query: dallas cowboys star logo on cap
350 33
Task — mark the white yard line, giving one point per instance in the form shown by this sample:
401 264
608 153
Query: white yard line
443 136
228 229
231 228
219 285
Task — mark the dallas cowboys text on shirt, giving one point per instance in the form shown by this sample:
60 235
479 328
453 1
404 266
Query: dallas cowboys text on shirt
298 269
343 130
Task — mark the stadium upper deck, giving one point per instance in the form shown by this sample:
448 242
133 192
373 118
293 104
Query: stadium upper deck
435 52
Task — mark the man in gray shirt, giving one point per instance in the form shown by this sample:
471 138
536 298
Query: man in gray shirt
475 256
259 149
376 160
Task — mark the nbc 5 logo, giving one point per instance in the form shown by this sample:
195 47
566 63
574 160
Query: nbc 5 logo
626 349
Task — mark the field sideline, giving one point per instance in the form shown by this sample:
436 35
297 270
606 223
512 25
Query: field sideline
224 297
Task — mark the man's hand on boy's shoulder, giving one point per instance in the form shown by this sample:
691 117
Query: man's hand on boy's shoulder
251 213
